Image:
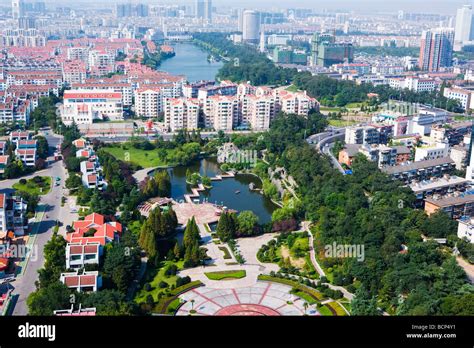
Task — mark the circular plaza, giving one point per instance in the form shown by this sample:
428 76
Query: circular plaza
261 299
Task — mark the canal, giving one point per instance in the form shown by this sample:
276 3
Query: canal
191 61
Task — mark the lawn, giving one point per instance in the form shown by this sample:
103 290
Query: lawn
305 296
143 158
222 275
226 252
329 108
337 307
297 286
325 311
159 277
341 123
292 88
39 185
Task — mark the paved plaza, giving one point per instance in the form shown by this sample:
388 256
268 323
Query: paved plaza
261 299
204 213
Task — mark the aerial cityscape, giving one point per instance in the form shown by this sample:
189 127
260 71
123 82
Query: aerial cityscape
211 158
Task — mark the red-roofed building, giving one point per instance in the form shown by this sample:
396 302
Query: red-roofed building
85 282
78 255
94 229
84 106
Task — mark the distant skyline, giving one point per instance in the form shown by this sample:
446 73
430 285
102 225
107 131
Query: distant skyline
424 6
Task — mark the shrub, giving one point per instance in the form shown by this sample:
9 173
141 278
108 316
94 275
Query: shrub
22 181
163 285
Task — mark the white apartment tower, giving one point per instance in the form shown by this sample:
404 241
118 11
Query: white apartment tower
251 26
18 9
464 30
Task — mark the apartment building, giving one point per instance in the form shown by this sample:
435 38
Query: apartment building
431 151
181 113
12 215
148 102
362 135
295 103
442 186
74 72
463 96
420 170
261 110
220 112
35 77
456 205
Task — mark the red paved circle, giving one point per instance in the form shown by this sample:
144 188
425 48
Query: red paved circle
247 310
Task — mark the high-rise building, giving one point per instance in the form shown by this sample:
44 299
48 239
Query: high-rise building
251 26
208 10
142 10
326 51
436 49
200 9
26 23
18 9
124 10
464 29
240 19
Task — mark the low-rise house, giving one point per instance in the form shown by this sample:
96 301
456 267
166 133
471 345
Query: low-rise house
94 229
85 282
78 255
80 143
347 155
3 148
26 152
17 136
3 163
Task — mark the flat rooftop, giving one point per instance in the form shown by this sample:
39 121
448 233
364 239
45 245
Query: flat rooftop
417 165
427 185
450 201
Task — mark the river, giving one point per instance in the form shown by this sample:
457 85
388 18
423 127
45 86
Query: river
191 61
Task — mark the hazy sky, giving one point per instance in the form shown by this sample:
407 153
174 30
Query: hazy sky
428 6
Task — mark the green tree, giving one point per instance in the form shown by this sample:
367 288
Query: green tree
247 223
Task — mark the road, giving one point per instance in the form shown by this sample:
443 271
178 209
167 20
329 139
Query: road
24 283
323 143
